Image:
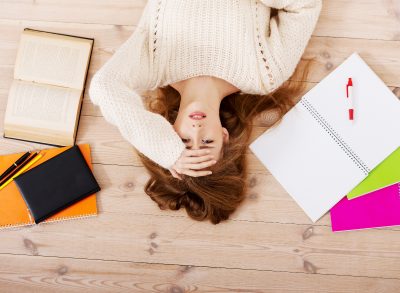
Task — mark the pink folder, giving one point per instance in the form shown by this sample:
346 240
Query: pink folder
376 209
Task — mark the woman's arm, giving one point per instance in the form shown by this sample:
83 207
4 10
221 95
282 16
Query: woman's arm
290 31
112 88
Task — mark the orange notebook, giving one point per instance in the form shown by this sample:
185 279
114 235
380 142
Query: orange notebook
13 210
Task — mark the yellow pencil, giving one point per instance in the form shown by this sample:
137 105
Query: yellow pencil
34 160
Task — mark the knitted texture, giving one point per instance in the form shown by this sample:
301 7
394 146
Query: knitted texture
235 40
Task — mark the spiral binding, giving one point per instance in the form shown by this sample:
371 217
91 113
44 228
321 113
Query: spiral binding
342 144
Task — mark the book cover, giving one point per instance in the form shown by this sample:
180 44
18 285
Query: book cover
56 184
385 174
380 208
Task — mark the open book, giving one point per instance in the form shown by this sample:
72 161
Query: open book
46 94
317 153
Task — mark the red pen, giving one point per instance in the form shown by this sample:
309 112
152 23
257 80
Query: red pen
349 95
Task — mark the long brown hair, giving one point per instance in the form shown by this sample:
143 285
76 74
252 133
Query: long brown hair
216 197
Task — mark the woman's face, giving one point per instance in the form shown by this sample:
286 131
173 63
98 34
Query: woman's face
199 127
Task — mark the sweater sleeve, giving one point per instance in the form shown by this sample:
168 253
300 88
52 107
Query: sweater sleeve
113 88
290 31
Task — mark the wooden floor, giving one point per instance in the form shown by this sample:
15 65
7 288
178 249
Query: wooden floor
268 246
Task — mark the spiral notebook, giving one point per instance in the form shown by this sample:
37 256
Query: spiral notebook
316 153
13 209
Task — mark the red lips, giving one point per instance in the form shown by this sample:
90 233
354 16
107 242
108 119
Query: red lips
197 115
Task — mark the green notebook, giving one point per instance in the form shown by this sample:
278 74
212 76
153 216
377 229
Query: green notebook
385 174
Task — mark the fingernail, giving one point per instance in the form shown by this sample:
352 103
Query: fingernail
209 172
214 161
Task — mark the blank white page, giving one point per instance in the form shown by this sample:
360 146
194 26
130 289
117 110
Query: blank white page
307 162
375 131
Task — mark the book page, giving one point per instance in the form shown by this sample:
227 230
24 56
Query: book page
52 59
307 162
375 131
42 107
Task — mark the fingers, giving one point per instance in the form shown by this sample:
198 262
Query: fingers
192 160
188 172
194 173
175 174
197 153
191 163
198 166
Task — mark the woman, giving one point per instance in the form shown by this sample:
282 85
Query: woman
214 66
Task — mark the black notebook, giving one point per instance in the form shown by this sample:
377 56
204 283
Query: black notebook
56 184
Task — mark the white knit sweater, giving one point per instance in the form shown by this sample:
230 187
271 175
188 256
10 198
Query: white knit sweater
235 40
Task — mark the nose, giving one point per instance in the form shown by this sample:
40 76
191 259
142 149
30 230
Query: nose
196 135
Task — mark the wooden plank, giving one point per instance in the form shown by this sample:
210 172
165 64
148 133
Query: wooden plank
368 19
328 53
120 12
233 244
52 274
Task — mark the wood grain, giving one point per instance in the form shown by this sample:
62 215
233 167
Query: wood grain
126 236
53 274
367 19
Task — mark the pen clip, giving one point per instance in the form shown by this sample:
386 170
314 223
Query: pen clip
349 83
